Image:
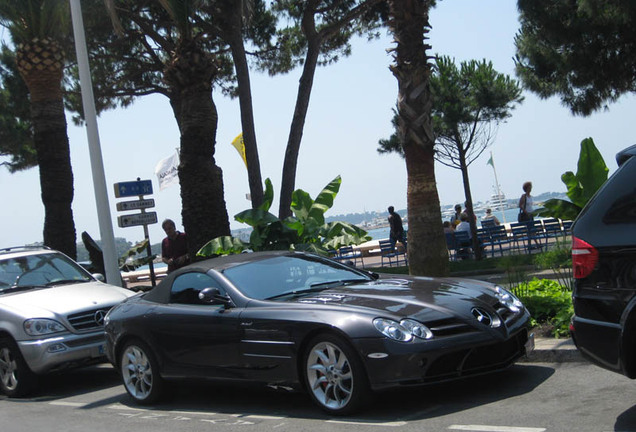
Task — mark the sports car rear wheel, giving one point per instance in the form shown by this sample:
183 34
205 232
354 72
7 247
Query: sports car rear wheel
334 375
16 379
140 372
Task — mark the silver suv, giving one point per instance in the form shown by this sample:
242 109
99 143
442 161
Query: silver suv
51 316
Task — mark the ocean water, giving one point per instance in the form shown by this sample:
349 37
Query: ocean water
507 216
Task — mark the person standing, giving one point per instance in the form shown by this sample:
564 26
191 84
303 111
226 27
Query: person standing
396 229
174 248
526 205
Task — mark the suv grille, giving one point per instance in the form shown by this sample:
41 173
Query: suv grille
88 320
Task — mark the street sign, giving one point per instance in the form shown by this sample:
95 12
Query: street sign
133 188
137 219
135 205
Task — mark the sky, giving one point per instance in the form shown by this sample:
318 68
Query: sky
350 111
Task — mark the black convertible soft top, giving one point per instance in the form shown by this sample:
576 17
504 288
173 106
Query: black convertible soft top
161 293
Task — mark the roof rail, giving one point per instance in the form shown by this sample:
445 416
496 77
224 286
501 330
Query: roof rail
26 247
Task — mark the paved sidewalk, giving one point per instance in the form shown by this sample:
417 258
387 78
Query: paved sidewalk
550 350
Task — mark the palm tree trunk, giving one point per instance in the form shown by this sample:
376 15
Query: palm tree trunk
426 242
204 212
40 63
56 174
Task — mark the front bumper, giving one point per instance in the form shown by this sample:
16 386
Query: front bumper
61 352
393 364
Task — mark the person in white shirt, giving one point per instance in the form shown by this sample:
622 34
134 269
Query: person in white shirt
464 225
526 206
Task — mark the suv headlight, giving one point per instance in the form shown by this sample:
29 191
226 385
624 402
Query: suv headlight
508 299
403 331
42 326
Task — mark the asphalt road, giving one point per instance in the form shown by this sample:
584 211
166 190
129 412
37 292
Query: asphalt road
529 397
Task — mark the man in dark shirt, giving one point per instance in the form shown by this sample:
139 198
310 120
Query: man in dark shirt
397 230
174 248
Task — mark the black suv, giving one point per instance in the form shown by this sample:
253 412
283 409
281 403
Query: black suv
604 263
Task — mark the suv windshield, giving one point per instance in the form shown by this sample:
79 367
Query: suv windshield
40 270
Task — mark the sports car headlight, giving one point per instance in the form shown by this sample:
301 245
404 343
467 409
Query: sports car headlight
403 331
392 329
417 329
42 326
508 299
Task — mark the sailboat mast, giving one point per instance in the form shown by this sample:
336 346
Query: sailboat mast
501 209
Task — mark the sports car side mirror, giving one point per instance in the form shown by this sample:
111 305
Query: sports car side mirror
213 295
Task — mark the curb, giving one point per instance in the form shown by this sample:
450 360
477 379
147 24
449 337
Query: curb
553 351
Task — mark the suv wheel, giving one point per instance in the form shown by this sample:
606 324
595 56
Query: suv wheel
16 379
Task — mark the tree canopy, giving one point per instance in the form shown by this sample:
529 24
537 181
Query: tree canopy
581 50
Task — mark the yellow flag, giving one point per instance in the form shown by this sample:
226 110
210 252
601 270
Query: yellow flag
239 145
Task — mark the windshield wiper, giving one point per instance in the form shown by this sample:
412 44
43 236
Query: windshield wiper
65 282
15 288
338 282
295 293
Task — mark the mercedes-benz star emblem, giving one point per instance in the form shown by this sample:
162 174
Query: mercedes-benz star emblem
482 316
486 318
99 317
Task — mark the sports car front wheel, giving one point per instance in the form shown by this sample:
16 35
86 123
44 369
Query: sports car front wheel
140 372
334 375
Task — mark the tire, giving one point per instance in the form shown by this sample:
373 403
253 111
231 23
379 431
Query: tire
16 379
140 372
334 375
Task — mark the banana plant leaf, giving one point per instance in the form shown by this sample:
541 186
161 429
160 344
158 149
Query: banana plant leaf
134 263
255 217
224 245
268 196
559 208
591 170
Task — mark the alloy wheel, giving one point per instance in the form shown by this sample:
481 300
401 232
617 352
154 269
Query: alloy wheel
8 369
137 372
329 375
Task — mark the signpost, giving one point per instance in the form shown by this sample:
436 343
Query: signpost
137 219
135 205
133 188
137 188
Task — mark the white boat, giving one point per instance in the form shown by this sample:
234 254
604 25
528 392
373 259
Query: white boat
498 201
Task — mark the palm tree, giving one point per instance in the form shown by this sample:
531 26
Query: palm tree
426 243
39 30
189 72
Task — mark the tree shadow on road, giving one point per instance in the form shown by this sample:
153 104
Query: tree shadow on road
404 404
626 421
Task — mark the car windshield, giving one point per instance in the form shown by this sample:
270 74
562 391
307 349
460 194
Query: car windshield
35 271
281 276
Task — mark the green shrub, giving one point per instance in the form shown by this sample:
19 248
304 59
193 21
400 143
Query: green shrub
548 303
559 260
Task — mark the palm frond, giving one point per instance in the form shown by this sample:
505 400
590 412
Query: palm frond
31 19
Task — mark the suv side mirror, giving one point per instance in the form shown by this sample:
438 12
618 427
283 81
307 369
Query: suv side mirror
213 296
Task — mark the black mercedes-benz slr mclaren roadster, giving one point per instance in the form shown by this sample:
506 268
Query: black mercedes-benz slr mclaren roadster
303 321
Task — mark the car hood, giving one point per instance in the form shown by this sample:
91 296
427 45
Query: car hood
63 299
421 298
